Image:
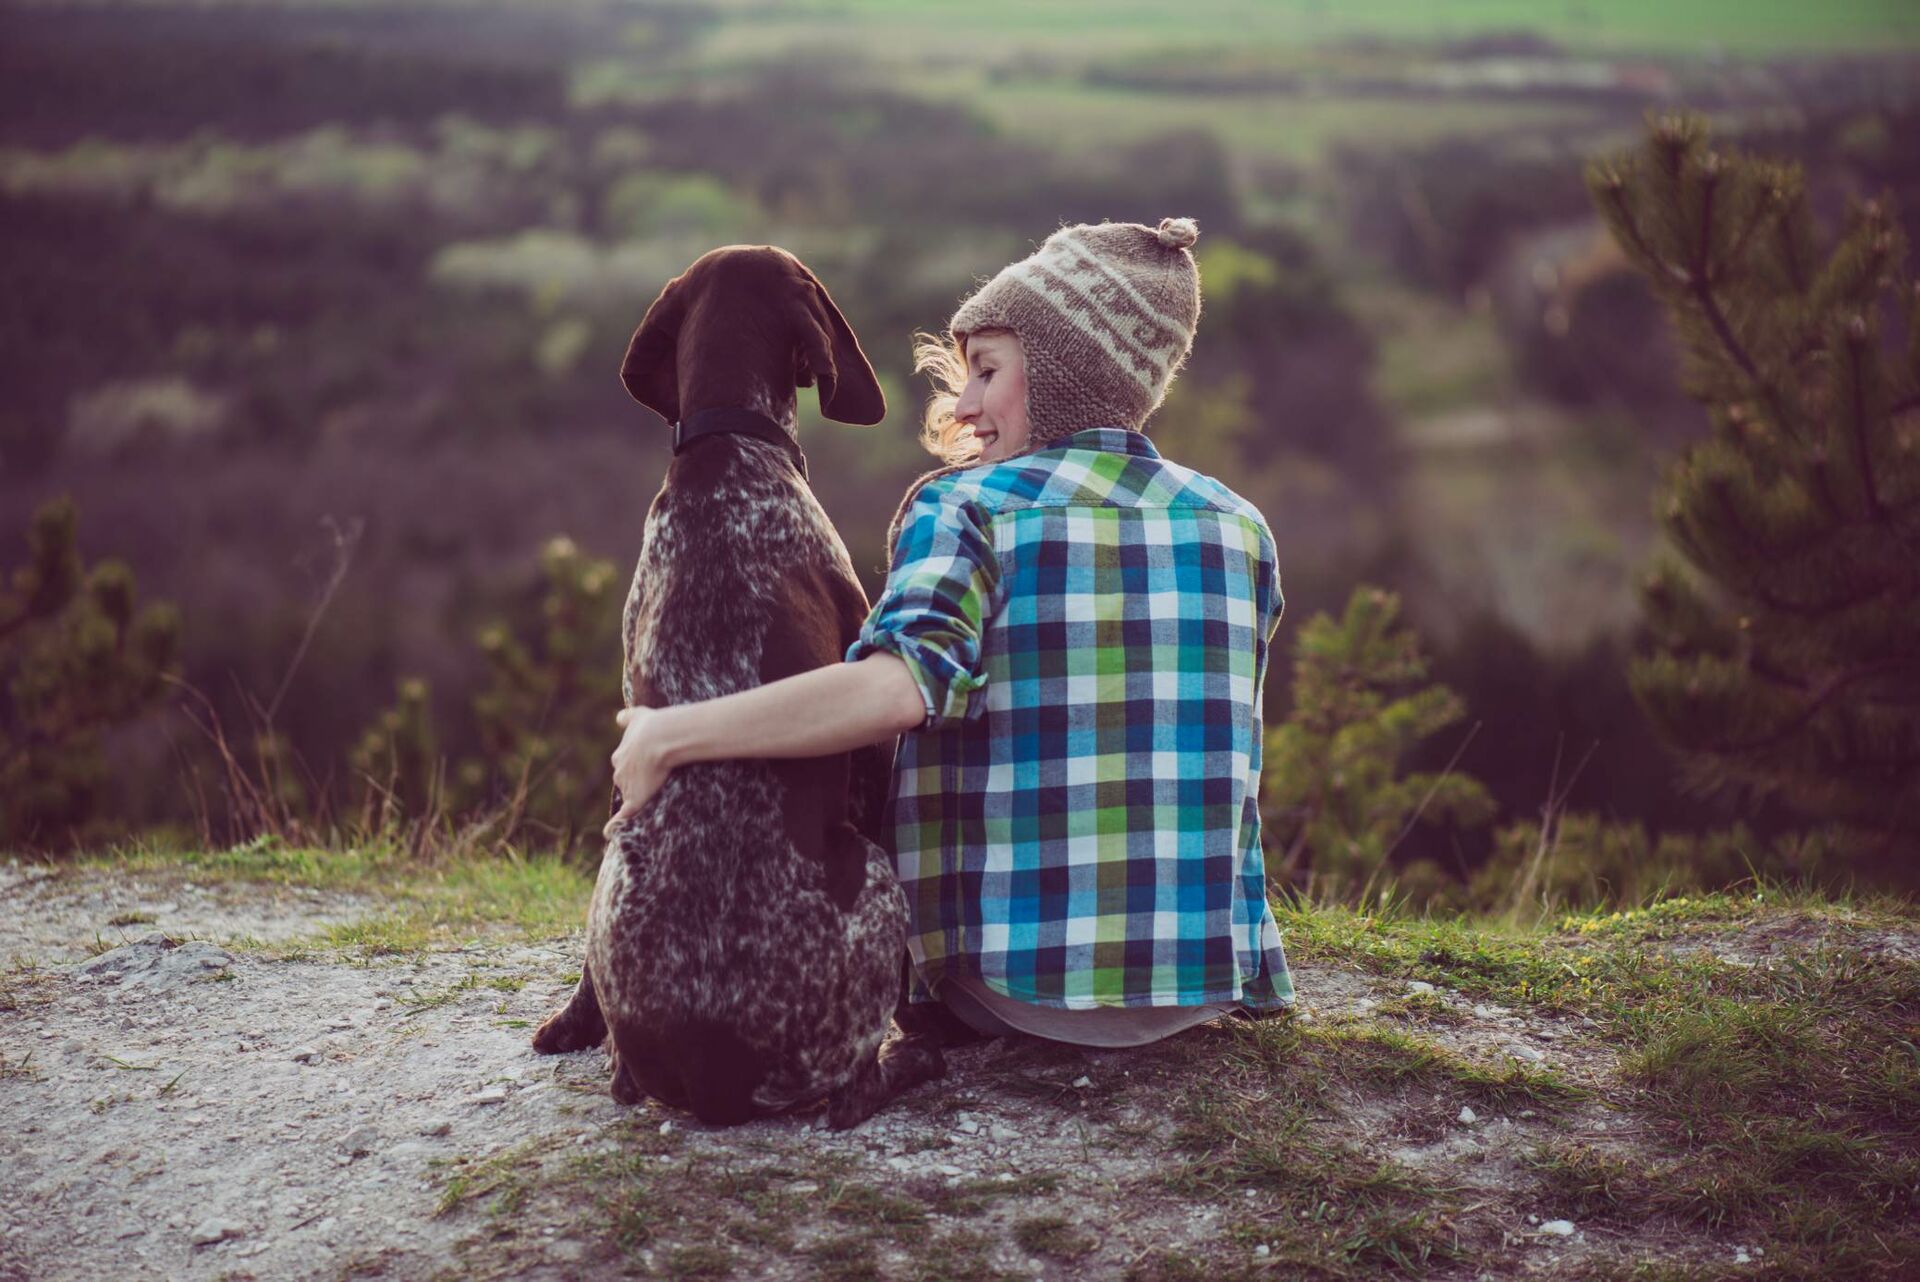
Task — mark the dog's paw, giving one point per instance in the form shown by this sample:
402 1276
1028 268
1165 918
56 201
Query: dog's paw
909 1062
561 1034
625 1089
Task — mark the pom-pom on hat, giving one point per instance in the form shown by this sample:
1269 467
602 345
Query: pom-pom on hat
1105 313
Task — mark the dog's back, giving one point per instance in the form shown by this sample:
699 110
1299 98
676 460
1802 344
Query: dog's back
714 905
745 944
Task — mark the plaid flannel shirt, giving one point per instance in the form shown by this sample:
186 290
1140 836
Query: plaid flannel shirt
1077 820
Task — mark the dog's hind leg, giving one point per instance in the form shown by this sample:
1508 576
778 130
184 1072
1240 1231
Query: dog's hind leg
575 1026
897 1067
625 1090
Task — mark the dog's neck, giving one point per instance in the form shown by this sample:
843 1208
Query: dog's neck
775 428
781 409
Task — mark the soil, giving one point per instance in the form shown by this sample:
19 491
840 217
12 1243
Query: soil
204 1099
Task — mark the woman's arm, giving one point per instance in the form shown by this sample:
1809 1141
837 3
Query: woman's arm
813 714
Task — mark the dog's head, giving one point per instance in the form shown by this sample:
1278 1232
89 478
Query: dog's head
748 316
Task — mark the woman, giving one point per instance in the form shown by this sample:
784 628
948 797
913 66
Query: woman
1072 641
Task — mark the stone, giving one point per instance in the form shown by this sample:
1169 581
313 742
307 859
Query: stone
210 1231
1467 1116
1419 987
489 1095
1558 1228
157 962
360 1141
304 1055
440 1126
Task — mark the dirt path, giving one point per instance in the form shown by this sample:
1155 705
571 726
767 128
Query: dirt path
194 1102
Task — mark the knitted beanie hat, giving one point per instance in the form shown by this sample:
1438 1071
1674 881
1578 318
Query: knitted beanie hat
1105 314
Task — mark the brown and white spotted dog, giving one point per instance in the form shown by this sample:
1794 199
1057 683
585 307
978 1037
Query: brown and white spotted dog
746 938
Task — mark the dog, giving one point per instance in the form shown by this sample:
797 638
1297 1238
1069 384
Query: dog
746 938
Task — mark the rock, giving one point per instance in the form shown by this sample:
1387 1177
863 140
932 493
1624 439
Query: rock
1002 1134
440 1126
210 1231
666 1127
489 1095
304 1055
1419 987
969 1126
1527 1053
1082 1083
157 962
1467 1116
1741 1257
1558 1228
360 1141
1262 1251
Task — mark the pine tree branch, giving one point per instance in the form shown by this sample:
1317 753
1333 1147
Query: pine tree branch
1818 609
1821 696
1790 254
1739 250
1737 351
1858 425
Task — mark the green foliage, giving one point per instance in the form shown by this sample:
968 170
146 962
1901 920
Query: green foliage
1584 861
1784 661
544 720
396 762
75 659
1333 798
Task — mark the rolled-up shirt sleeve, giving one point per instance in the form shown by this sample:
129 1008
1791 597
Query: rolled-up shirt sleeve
941 593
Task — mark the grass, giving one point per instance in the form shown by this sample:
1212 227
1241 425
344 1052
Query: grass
1741 1067
1264 1125
1054 1236
938 34
1779 1095
422 906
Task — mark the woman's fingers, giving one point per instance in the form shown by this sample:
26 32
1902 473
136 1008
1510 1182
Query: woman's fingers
634 772
626 813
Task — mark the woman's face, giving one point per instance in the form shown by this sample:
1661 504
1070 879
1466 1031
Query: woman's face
994 401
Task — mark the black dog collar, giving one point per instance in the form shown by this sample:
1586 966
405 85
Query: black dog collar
740 422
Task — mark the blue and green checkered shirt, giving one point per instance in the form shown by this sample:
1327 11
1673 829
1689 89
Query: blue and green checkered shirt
1077 821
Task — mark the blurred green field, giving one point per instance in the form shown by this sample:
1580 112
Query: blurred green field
1254 126
990 29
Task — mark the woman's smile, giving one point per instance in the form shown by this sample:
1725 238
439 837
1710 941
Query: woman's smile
994 401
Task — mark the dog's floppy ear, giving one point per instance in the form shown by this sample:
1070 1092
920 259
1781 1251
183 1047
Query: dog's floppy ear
849 393
651 368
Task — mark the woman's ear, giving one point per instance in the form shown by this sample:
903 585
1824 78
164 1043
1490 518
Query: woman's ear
651 371
849 392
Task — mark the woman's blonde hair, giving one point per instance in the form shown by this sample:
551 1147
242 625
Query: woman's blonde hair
944 360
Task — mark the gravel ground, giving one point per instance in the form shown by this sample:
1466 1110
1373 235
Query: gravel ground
182 1107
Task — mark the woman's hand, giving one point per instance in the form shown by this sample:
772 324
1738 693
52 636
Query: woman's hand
638 771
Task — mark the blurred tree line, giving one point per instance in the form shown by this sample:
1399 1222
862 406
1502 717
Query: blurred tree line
1781 659
419 319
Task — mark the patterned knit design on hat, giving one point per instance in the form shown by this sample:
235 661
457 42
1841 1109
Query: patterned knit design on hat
1105 314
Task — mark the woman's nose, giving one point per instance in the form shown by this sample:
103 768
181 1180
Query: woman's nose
968 407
